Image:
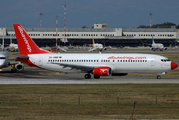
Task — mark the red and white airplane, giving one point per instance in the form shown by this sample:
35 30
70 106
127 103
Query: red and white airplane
94 63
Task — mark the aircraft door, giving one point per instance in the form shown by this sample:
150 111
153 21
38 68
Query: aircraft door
153 62
40 61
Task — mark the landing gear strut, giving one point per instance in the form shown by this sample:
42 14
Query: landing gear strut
87 76
158 77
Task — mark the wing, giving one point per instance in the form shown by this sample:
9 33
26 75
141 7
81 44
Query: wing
84 68
13 63
62 49
92 49
17 55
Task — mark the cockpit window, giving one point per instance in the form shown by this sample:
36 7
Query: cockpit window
165 60
2 57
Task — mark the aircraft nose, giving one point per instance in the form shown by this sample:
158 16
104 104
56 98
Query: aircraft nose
173 65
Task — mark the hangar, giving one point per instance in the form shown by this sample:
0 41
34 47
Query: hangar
116 37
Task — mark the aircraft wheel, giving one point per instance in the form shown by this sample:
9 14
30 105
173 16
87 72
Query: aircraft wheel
158 77
87 76
96 77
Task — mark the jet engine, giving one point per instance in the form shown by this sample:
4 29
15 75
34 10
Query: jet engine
19 67
102 71
165 48
104 48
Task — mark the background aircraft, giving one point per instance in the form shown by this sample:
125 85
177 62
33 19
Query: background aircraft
94 63
156 46
16 66
12 47
96 46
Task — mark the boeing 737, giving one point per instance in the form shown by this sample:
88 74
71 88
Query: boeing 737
96 46
157 46
16 66
95 64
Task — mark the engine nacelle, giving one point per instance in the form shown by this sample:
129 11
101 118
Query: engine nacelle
165 48
119 74
105 48
102 71
19 67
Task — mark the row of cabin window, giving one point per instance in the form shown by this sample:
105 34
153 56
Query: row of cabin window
72 60
169 35
96 61
132 60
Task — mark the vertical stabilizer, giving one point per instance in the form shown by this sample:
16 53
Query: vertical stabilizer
153 40
93 42
3 42
25 43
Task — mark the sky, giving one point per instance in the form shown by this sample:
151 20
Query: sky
79 13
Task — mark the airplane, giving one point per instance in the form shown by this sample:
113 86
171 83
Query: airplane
96 46
98 64
16 66
157 46
12 46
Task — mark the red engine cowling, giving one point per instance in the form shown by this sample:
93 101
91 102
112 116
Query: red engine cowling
102 71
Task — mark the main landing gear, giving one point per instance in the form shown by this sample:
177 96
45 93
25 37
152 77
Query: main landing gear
158 77
87 76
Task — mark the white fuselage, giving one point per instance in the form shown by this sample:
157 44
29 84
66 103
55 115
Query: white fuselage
158 46
119 63
98 46
15 46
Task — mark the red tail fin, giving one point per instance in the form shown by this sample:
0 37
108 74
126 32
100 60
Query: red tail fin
25 43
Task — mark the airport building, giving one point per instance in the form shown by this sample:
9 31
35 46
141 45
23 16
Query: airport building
116 37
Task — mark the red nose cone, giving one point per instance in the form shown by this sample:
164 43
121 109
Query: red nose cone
173 65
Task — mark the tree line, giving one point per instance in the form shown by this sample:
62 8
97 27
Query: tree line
163 25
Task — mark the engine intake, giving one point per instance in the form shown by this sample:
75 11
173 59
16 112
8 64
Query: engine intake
102 71
19 67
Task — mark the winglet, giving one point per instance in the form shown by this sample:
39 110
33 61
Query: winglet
25 43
